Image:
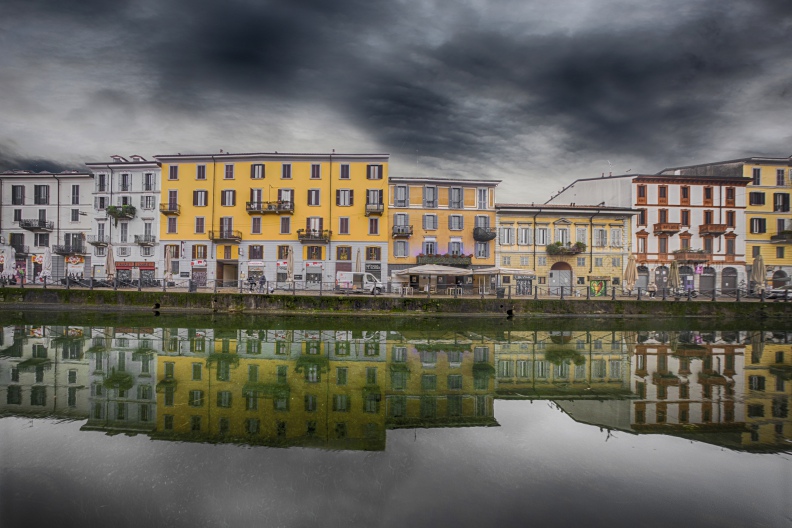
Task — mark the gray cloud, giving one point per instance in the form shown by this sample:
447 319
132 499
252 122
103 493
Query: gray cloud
513 90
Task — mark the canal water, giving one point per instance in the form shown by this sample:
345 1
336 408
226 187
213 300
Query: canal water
169 420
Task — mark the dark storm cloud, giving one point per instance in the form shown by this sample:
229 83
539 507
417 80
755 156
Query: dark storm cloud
10 161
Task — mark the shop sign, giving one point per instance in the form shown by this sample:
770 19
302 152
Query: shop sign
198 263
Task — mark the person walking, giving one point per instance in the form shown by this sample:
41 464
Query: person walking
262 284
652 289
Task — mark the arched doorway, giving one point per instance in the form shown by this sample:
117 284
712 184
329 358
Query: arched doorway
643 278
561 278
686 277
729 281
780 278
661 277
707 282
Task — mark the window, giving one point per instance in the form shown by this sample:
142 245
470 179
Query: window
173 172
524 236
228 198
343 253
430 196
456 198
780 252
341 403
455 222
343 225
196 398
482 199
562 235
730 246
685 217
283 252
285 225
255 225
662 244
429 246
200 198
506 236
641 217
756 198
344 197
756 383
542 234
455 247
756 251
581 261
684 195
758 225
171 224
662 194
781 202
41 239
75 215
373 226
641 191
430 222
316 171
505 261
229 172
341 375
707 217
374 197
374 172
200 172
196 371
400 248
257 171
756 175
600 237
147 202
314 252
402 198
373 253
126 182
662 216
344 172
313 196
17 195
730 196
482 250
41 194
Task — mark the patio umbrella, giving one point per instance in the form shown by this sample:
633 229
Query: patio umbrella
110 268
758 272
46 264
9 262
168 262
358 262
630 274
290 264
673 276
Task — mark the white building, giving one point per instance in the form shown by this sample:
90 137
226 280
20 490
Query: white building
699 222
47 210
126 217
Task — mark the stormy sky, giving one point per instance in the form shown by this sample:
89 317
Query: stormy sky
531 92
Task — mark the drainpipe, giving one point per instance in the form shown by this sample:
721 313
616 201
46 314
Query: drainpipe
534 238
591 240
214 199
57 210
330 214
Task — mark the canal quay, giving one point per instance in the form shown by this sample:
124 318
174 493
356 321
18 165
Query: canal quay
189 419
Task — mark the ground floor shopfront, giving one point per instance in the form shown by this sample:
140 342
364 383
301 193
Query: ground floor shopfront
700 277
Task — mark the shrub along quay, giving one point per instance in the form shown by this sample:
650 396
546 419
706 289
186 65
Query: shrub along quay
198 302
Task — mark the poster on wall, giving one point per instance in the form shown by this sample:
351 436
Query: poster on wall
597 288
75 265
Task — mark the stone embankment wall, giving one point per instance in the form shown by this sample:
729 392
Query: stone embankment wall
74 299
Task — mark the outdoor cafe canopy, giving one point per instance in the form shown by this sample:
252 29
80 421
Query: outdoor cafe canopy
434 270
496 270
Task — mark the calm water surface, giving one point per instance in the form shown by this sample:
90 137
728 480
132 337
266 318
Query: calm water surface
187 421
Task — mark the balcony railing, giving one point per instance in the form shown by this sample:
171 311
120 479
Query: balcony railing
374 209
460 261
225 235
783 236
69 250
170 209
37 225
484 234
691 256
402 231
667 227
279 207
98 240
712 229
317 236
20 249
145 240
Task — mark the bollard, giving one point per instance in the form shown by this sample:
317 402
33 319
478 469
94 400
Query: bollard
562 293
613 294
536 292
588 294
45 282
762 296
738 294
455 293
90 284
639 293
294 289
140 284
68 282
713 294
688 295
664 293
164 284
215 286
115 282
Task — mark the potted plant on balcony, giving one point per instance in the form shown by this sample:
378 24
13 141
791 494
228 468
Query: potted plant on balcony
557 248
121 211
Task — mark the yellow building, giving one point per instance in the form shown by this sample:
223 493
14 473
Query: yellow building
441 221
290 217
768 218
571 248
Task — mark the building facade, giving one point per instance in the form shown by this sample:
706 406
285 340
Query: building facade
288 217
768 220
47 210
125 197
570 247
441 221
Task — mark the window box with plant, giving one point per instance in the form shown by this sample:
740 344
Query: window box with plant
121 211
558 248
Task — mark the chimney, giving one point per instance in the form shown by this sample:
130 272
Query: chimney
610 174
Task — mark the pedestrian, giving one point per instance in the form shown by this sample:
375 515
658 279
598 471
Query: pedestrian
652 289
251 284
262 284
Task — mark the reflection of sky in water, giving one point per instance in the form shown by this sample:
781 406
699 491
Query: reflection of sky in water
539 468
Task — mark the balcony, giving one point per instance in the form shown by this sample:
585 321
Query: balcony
484 234
279 207
170 209
712 229
569 249
665 379
314 236
402 231
691 255
459 261
69 250
374 209
225 235
37 225
20 249
98 240
145 240
120 212
782 237
667 228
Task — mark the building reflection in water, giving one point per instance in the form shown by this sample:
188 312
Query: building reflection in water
343 389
